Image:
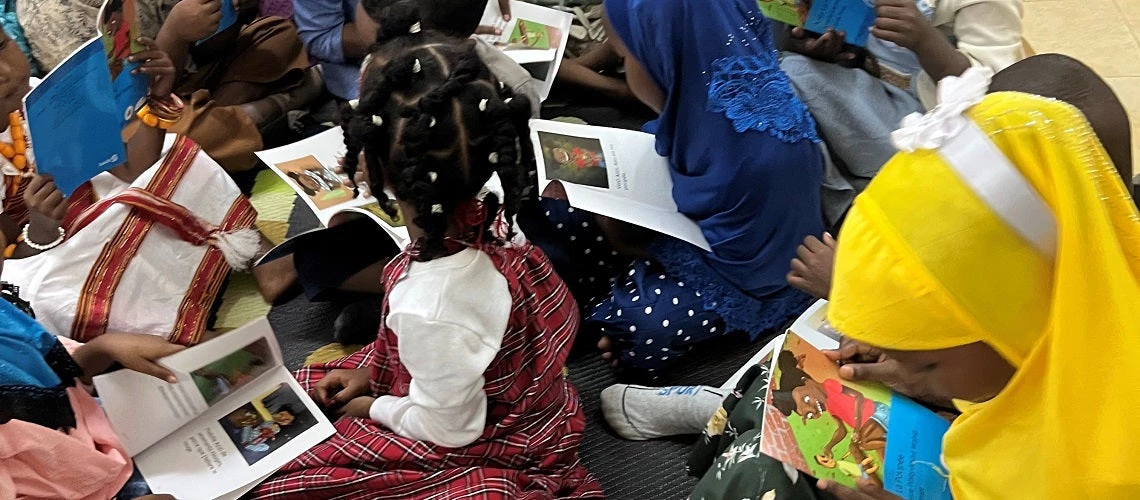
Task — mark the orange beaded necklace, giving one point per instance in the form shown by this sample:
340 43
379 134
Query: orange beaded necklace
16 153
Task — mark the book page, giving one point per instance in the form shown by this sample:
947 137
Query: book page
790 12
206 373
612 172
831 428
310 167
248 435
535 37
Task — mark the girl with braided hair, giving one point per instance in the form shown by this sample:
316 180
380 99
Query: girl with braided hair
462 394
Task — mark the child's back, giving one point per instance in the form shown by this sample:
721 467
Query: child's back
462 394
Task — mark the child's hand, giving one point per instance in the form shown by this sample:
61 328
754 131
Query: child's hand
46 206
811 269
342 386
901 22
359 407
827 47
138 352
193 20
157 65
868 490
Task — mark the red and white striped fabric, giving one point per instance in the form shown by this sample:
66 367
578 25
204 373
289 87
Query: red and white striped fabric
148 259
529 447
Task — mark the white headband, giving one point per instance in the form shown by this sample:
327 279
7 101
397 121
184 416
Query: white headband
977 161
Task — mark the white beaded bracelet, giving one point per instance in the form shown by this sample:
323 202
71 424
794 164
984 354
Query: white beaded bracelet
36 246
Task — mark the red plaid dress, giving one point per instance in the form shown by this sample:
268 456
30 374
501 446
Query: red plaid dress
529 449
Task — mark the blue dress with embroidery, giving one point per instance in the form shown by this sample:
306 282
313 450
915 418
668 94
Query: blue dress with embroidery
746 167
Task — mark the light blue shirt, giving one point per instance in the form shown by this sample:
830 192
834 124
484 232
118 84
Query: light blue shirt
320 23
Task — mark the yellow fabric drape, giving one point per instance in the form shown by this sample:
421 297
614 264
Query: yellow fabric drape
923 264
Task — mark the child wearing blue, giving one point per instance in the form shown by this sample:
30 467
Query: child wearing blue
746 167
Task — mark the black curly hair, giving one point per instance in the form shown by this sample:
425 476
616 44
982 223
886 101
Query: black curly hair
451 17
434 124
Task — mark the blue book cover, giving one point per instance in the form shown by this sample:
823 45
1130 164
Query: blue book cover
854 17
74 119
831 428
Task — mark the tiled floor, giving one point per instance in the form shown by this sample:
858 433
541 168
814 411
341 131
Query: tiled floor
1105 34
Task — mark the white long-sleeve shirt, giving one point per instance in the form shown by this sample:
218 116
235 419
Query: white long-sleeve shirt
449 315
987 32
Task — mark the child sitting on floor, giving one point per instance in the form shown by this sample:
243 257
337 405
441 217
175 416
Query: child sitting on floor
33 208
913 44
357 272
1048 75
462 394
745 166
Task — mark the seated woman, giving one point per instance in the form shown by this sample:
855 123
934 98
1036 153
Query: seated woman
746 167
235 84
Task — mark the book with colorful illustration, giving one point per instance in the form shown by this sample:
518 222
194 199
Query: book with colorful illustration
831 428
310 168
78 113
612 172
535 37
854 17
233 416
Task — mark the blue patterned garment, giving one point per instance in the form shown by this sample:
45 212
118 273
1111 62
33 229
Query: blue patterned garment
743 149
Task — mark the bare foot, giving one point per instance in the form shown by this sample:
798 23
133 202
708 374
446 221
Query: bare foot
608 353
811 269
275 278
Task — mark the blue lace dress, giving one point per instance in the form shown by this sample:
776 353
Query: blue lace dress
749 173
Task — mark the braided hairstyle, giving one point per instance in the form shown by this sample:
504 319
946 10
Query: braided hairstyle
434 124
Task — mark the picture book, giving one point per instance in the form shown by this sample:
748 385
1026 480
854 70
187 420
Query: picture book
535 37
854 17
810 326
77 114
311 168
612 172
836 429
234 416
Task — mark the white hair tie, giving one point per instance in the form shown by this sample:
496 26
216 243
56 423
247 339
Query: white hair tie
483 105
493 158
437 209
432 176
416 28
417 67
431 124
377 120
355 103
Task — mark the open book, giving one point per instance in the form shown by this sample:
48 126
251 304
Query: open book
612 172
535 37
854 17
234 417
76 115
836 429
310 168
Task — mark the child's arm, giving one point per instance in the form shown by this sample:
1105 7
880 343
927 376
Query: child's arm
987 33
145 147
901 22
188 22
134 351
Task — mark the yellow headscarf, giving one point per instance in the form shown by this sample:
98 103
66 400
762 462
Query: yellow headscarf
924 263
